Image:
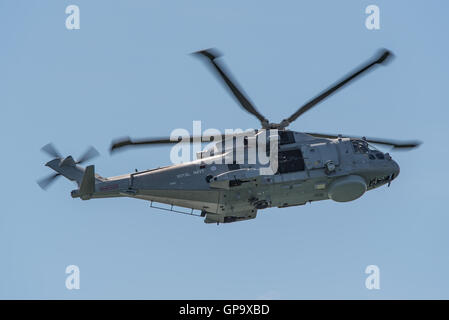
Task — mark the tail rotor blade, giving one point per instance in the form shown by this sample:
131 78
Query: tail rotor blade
44 183
89 154
50 149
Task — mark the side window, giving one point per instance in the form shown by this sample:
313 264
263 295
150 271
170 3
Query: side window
233 166
290 161
286 137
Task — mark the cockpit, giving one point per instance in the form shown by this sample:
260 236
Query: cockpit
361 146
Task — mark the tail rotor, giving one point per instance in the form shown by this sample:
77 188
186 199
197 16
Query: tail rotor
50 149
89 154
44 183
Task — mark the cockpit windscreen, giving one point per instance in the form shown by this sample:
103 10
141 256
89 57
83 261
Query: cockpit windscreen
361 146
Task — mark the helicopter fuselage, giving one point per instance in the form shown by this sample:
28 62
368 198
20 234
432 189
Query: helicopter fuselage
309 169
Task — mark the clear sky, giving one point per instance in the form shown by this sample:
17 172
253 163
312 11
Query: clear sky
128 71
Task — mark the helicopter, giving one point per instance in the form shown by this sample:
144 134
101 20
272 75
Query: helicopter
308 166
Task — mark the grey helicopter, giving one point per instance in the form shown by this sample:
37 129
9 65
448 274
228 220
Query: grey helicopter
309 166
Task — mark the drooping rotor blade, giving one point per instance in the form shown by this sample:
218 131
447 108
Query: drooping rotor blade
89 154
128 142
44 183
212 55
380 58
50 149
396 144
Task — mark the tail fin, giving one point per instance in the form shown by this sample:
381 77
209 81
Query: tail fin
87 187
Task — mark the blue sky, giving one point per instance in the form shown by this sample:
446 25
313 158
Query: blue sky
128 71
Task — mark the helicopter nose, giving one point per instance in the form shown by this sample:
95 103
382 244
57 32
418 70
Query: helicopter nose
395 170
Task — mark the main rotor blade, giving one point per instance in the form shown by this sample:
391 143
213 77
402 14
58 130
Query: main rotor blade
128 142
50 149
232 84
44 183
89 154
381 58
396 144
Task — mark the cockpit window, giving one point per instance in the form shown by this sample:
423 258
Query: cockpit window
380 155
360 146
372 148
